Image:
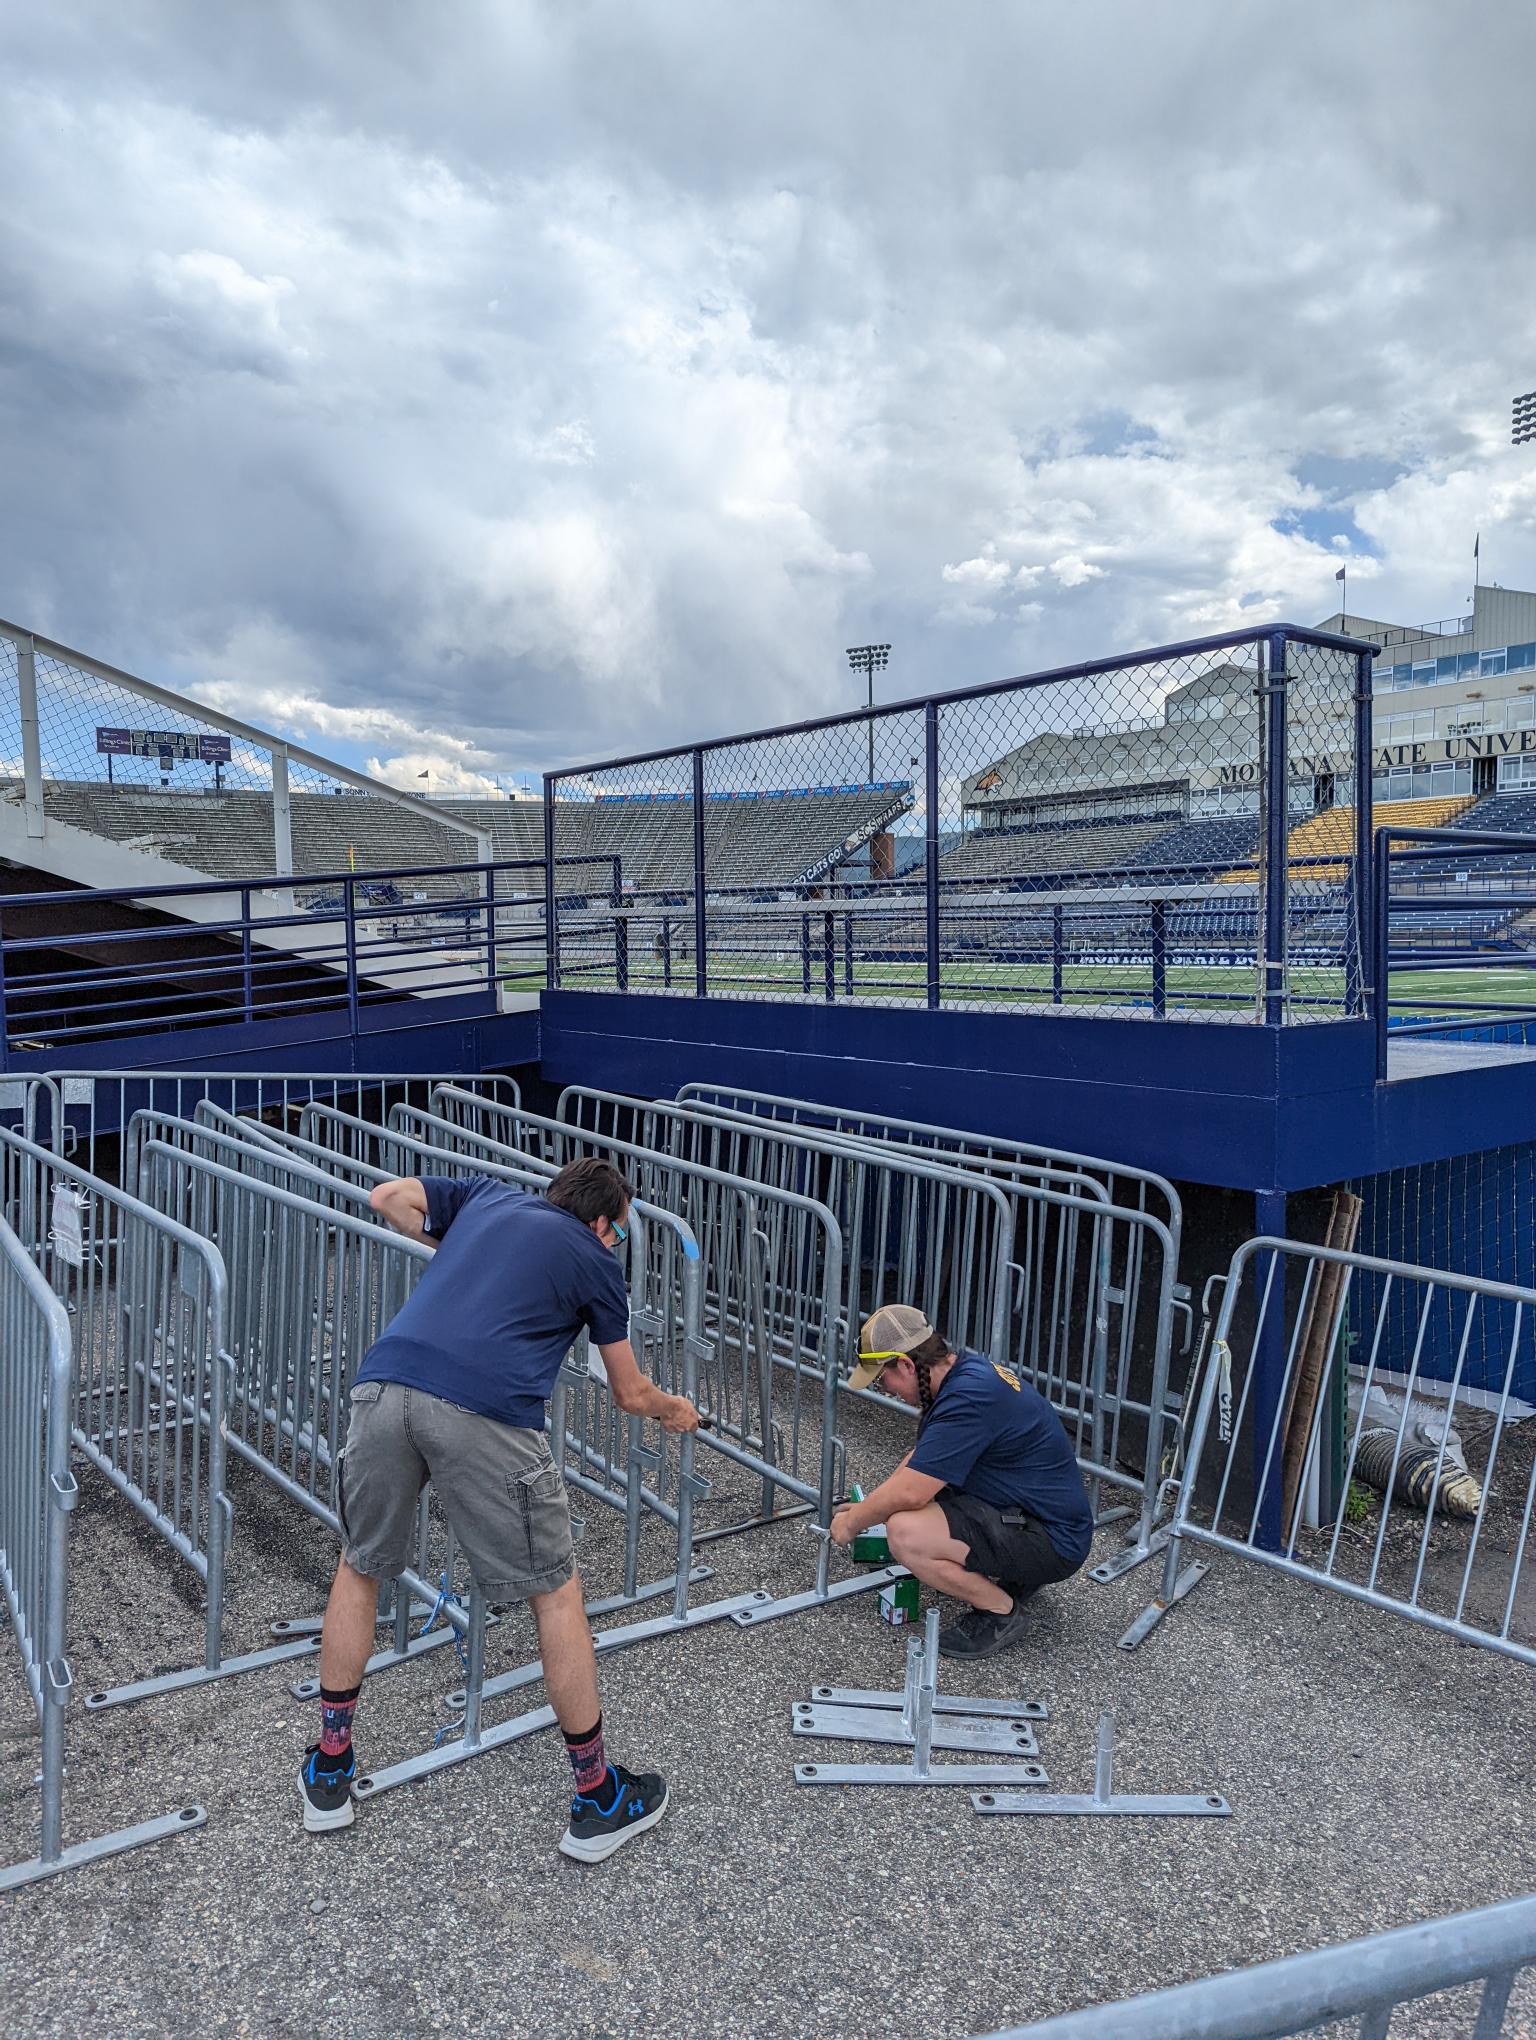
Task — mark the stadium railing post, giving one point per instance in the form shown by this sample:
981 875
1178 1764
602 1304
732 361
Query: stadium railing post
700 905
1276 829
1364 816
551 905
931 846
1381 949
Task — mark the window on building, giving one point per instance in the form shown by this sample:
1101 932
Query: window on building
1492 663
1520 658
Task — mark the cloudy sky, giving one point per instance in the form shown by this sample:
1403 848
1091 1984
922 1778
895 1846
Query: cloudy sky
489 385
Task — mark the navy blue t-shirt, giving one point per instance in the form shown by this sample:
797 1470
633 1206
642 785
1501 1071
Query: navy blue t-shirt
513 1281
995 1437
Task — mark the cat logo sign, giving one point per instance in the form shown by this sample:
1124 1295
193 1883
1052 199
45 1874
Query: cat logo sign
986 785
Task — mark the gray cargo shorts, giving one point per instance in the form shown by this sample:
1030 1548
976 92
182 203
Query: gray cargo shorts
498 1486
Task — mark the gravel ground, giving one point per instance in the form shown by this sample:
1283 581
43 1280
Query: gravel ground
1379 1774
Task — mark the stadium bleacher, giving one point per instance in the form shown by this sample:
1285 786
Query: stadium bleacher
766 840
1216 840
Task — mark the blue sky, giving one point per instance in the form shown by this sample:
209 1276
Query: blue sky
478 389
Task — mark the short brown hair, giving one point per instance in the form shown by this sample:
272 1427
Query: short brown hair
590 1188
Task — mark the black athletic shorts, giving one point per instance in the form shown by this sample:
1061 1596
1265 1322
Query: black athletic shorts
1009 1545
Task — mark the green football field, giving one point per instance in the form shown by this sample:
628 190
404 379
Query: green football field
1481 994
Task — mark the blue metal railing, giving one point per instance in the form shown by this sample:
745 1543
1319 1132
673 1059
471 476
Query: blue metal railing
709 893
81 965
1421 855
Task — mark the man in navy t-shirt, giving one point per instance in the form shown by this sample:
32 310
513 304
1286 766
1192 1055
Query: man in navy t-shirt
453 1391
989 1503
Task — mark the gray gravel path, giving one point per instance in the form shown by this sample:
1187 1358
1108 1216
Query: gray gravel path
1379 1775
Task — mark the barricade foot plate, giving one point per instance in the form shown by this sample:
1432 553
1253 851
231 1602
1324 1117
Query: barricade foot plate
943 1703
1128 1557
771 1610
994 1775
1154 1612
450 1753
615 1639
1188 1806
884 1725
201 1675
100 1847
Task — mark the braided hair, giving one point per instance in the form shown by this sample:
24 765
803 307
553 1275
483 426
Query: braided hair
930 1354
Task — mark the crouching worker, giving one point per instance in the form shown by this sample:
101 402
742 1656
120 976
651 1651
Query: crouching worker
454 1392
989 1503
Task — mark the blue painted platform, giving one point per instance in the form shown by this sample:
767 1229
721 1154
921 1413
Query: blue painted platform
1237 1106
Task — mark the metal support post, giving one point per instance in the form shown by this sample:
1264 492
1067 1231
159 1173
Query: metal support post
282 826
828 958
1058 957
1364 816
551 906
700 909
1273 722
1159 959
1381 950
931 846
31 738
1104 1799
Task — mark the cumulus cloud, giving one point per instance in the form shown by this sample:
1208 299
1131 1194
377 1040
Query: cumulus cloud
504 389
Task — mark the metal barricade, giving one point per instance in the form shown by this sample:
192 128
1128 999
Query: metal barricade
147 1306
37 1496
914 1228
1094 1295
1366 1980
76 1111
1070 1323
1361 1501
772 1277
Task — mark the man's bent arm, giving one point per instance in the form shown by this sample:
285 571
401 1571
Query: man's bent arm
638 1396
403 1204
902 1491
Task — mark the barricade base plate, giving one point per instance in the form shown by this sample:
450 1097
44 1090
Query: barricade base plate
884 1725
613 1639
772 1610
201 1675
943 1703
1154 1612
182 1822
995 1775
1128 1557
1190 1806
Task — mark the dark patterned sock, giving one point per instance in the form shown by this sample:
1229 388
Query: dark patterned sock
336 1712
588 1760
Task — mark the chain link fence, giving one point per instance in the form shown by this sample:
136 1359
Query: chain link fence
1175 833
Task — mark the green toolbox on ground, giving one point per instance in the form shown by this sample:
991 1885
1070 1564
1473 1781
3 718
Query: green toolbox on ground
870 1546
899 1601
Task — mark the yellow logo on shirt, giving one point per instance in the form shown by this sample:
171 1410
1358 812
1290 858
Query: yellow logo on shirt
1007 1374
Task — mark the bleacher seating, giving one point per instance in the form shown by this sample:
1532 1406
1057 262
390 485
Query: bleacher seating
1204 845
1331 834
749 842
1032 853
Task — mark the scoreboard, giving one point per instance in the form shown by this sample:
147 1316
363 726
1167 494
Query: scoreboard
175 747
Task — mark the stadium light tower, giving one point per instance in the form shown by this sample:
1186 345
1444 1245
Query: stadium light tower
1523 422
869 660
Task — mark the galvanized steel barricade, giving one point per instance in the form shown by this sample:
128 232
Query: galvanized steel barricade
1095 1282
1060 1298
301 1454
914 1228
1366 1980
148 1310
72 1111
1278 1464
772 1262
612 1461
37 1494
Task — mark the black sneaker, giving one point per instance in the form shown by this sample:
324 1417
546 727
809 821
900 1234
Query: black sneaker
980 1634
326 1790
638 1802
